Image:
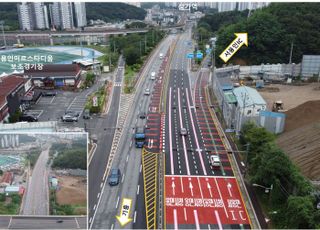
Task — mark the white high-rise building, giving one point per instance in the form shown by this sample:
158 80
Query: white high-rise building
251 5
33 15
80 13
55 15
40 15
25 16
226 6
66 15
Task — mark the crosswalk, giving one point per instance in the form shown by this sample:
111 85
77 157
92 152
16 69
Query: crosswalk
77 104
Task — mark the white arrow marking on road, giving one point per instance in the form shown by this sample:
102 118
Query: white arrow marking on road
191 187
151 143
209 187
173 186
229 189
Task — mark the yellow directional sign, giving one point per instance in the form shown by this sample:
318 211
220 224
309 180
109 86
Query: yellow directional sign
123 218
235 45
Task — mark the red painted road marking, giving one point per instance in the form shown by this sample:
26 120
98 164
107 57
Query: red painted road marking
170 137
204 194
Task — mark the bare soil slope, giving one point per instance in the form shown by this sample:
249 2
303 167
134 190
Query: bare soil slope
301 139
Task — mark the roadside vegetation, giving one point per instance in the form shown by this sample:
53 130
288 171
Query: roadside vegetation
135 49
56 209
9 205
271 30
101 95
292 202
71 159
33 156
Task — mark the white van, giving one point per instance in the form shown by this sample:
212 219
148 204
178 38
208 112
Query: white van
161 55
215 160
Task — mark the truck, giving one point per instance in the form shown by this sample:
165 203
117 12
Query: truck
140 137
161 55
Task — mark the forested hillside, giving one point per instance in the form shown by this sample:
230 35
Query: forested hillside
271 31
9 14
110 12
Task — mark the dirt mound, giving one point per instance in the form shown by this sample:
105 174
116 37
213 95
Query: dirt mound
302 144
304 114
72 190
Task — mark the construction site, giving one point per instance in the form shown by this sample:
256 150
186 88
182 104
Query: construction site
301 137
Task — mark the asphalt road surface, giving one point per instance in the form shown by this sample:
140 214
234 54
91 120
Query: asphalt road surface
49 222
127 158
36 200
107 126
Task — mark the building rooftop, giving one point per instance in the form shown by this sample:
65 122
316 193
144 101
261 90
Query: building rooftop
54 70
8 84
230 97
7 178
247 96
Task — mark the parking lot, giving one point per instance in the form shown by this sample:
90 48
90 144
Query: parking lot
52 108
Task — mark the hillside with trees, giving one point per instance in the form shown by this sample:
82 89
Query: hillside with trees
110 12
9 15
271 31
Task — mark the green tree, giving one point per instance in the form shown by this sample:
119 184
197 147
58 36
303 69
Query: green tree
300 212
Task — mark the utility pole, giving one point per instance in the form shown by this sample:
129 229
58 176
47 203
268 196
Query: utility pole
290 58
145 43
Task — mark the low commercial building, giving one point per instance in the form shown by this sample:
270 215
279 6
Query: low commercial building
55 76
15 93
6 179
249 105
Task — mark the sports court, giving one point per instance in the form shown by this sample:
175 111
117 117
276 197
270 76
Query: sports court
6 161
43 55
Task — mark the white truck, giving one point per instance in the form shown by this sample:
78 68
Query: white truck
161 55
153 75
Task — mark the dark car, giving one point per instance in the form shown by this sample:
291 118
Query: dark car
142 115
114 177
49 93
27 117
59 221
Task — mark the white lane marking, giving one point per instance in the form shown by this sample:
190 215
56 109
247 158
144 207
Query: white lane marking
117 202
112 226
209 227
181 185
98 195
218 219
122 178
78 226
127 158
183 137
175 219
94 207
195 213
195 135
224 206
140 168
170 133
138 189
185 214
52 99
200 187
135 216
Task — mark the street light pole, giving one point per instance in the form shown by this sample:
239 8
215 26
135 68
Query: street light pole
3 35
267 190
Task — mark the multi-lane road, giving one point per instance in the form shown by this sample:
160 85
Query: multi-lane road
105 201
170 183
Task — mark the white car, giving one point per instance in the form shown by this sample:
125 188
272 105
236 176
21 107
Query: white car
215 160
153 76
147 92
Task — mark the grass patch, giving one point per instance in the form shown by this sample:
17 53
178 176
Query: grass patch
10 205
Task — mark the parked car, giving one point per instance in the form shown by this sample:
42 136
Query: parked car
114 177
28 117
70 117
49 93
86 114
147 92
183 132
215 160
